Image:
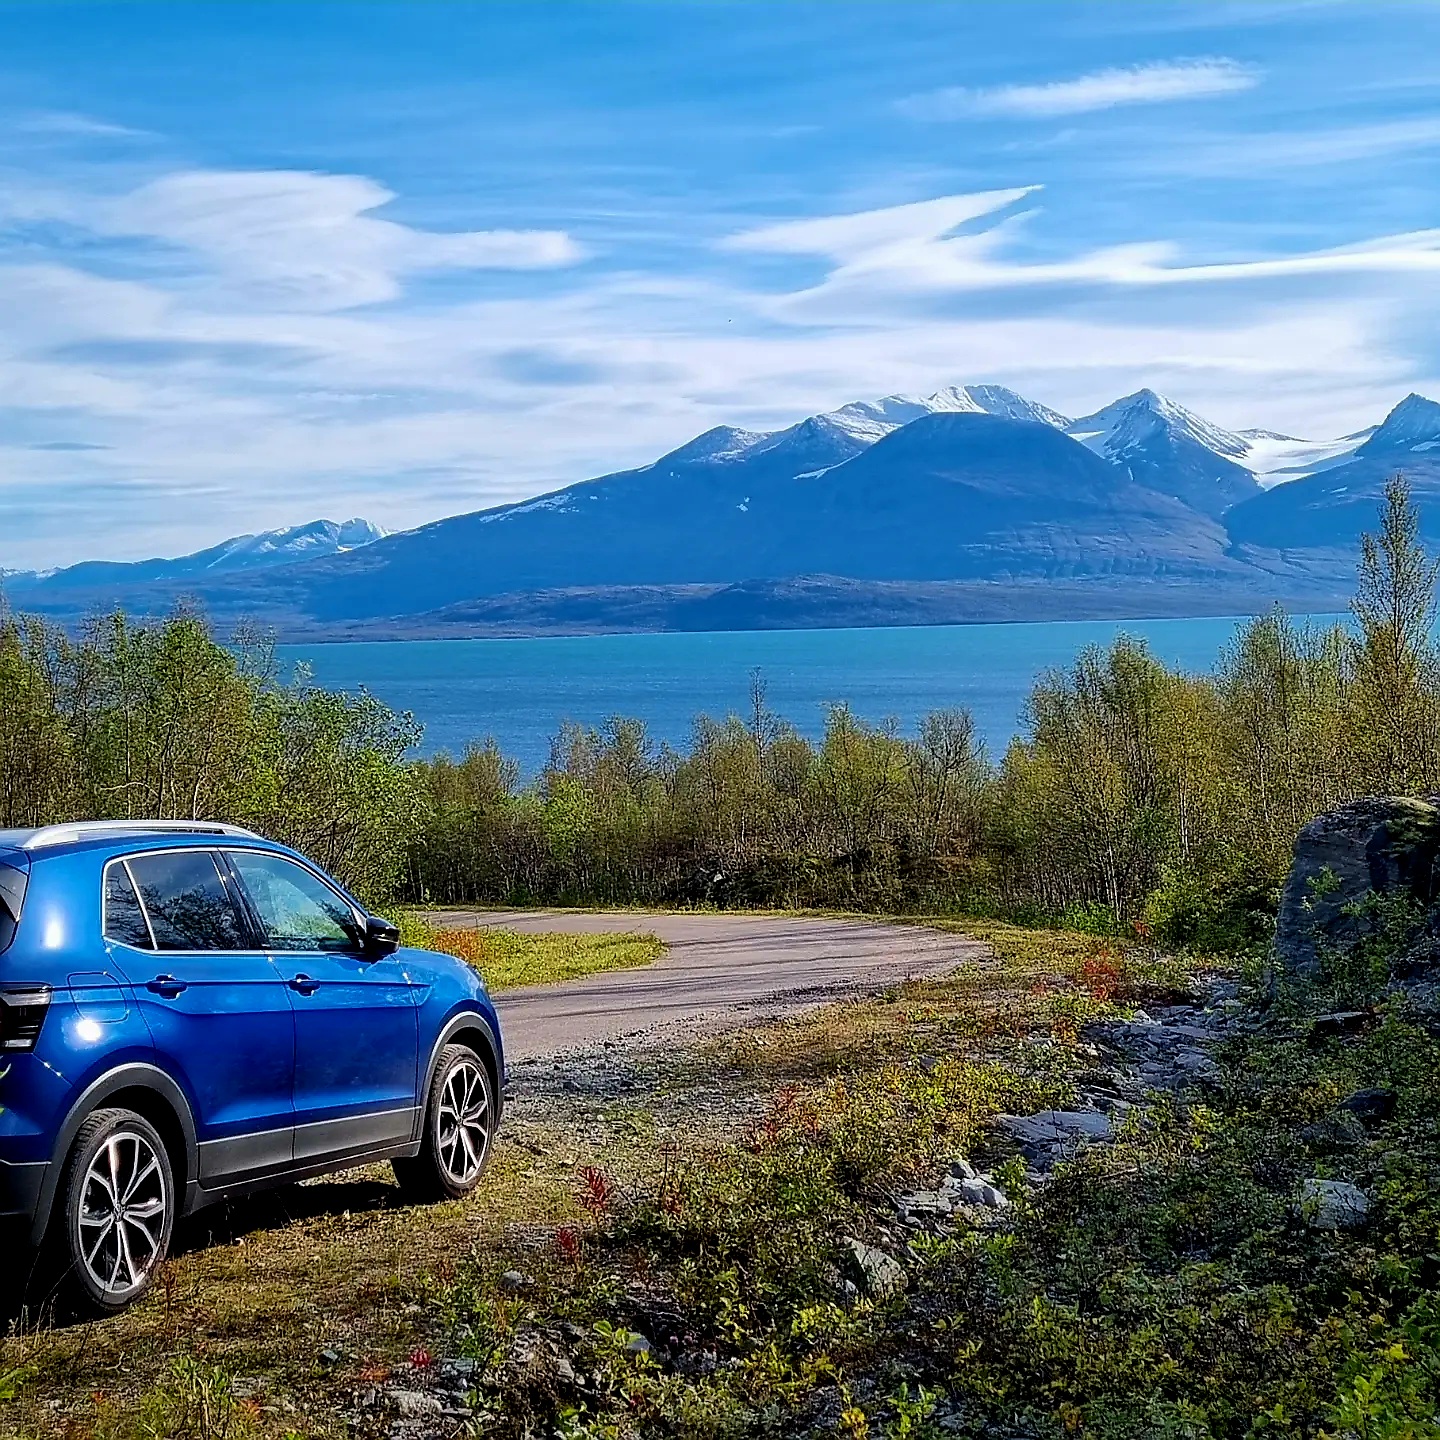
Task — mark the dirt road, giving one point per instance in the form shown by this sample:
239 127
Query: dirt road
718 968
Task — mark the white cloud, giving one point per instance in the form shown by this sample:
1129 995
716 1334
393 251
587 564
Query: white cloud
881 255
302 239
66 122
1163 80
230 398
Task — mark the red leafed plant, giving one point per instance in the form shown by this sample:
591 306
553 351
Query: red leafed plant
569 1242
421 1358
597 1192
1102 974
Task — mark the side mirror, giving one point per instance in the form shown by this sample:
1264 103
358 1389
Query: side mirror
382 938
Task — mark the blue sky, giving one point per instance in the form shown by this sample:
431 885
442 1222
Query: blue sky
261 263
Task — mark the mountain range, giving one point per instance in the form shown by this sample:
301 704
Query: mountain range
972 503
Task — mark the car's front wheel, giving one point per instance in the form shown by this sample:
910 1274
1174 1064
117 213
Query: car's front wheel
459 1128
118 1211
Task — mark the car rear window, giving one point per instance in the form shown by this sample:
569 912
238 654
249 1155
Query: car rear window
187 902
12 901
124 919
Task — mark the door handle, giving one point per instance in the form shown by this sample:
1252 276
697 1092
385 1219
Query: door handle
167 986
304 985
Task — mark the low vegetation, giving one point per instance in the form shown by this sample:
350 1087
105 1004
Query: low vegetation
508 959
647 1267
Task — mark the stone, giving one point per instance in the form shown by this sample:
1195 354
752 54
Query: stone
1048 1126
1339 1024
638 1345
414 1404
873 1272
515 1280
1382 844
1370 1106
981 1192
962 1169
1333 1205
925 1202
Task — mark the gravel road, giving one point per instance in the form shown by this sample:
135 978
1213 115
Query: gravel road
718 969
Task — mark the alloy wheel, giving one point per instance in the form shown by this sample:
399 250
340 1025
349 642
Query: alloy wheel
462 1124
123 1213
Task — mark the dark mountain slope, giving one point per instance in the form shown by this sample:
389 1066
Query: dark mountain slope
1326 513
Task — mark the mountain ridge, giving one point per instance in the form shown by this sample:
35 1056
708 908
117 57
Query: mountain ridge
970 486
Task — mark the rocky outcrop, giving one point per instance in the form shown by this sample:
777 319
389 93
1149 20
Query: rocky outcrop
1378 847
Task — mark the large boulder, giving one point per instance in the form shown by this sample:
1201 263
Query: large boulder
1381 846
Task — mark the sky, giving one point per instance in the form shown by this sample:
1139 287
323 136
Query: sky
266 263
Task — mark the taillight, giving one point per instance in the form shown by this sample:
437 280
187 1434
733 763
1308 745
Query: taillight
22 1013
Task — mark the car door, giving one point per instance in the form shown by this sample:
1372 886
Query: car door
217 1008
356 1017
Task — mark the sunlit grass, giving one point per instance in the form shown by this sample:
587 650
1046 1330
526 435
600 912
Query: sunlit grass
509 959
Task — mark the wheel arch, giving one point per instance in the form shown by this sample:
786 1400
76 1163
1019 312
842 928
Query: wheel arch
470 1028
149 1092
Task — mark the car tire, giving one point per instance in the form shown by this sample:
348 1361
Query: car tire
116 1212
459 1131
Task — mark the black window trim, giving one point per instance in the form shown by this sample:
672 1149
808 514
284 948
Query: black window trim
227 880
258 929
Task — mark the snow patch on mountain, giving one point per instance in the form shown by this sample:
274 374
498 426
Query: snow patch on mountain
1273 458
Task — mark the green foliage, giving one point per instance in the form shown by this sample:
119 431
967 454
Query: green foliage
195 1402
161 721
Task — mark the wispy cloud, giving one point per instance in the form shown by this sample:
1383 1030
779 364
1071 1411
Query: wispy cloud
904 250
299 238
66 122
1151 84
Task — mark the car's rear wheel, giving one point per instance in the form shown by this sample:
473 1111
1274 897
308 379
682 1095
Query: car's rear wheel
118 1210
459 1129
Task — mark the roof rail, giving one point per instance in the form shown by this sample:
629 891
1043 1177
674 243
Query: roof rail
75 830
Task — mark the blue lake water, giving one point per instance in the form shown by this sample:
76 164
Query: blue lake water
520 691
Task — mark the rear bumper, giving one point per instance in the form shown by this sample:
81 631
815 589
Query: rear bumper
21 1187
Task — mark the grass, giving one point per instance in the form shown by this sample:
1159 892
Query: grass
508 959
1162 1287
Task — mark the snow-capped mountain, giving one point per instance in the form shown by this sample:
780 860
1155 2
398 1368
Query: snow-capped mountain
974 485
1171 449
1412 427
1327 509
872 420
288 545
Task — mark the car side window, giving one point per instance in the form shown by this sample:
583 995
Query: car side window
296 910
124 919
187 901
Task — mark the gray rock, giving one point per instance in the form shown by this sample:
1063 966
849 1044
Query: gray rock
926 1202
638 1345
1333 1205
872 1271
1049 1126
981 1192
1380 844
515 1280
414 1404
1370 1106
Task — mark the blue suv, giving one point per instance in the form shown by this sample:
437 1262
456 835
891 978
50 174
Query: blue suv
189 1012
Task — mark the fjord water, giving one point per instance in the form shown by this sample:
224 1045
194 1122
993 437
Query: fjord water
520 691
